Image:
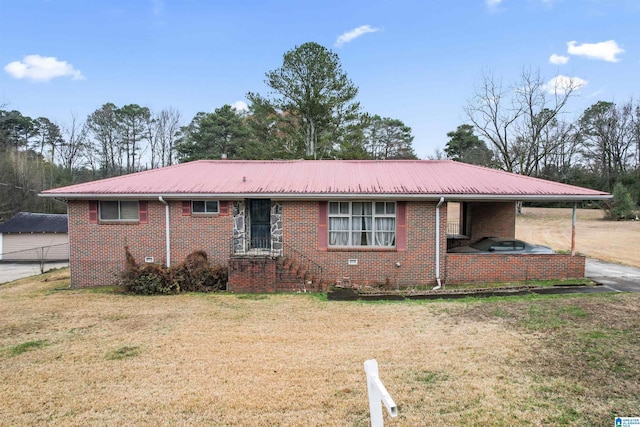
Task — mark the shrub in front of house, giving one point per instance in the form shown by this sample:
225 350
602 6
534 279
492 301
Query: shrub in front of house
154 279
194 274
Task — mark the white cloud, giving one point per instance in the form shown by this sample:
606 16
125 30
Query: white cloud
558 59
492 4
42 69
606 51
355 33
240 106
561 84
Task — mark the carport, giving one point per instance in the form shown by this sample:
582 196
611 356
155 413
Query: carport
481 217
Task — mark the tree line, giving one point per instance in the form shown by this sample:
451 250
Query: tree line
37 154
312 112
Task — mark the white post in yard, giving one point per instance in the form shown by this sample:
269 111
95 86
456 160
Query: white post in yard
377 393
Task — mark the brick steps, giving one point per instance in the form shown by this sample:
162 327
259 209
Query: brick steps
291 276
265 274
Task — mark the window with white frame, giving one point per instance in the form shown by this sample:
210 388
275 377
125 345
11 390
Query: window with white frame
119 210
204 206
362 224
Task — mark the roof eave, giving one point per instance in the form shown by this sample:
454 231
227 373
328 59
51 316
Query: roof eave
336 196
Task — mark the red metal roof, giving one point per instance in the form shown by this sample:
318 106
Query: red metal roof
426 179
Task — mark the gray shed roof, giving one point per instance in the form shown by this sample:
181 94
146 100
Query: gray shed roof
27 222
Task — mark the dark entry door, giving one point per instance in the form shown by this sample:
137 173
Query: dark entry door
260 216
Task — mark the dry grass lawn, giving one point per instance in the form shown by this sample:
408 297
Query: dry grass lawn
614 241
94 357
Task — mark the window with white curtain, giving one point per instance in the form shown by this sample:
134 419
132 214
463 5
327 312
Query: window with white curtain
362 224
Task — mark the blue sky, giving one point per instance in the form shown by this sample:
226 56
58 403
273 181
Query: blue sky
417 61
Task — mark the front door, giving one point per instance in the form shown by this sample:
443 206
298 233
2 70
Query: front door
260 217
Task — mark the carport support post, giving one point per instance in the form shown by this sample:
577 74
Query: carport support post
573 230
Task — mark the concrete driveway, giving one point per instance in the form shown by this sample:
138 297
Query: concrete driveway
10 271
619 278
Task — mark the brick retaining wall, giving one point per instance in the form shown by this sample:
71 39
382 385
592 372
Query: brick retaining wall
470 268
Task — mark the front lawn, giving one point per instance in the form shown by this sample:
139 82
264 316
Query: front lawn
80 357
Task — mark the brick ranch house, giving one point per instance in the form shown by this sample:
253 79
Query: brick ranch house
289 225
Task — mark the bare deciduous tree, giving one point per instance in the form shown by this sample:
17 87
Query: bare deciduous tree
609 144
514 119
166 126
70 152
105 157
566 141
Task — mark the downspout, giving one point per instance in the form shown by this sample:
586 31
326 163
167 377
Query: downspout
438 244
573 230
167 234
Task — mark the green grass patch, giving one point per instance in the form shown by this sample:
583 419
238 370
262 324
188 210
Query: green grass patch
112 289
26 346
320 296
588 352
253 297
499 312
125 352
427 377
543 316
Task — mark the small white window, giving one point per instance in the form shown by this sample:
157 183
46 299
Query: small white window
116 210
204 206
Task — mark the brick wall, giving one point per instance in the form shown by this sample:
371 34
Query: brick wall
471 268
252 274
210 233
492 219
486 219
374 266
97 250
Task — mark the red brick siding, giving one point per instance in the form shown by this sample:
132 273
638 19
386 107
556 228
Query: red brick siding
470 268
492 219
252 274
97 249
417 262
210 233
